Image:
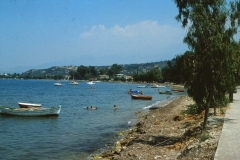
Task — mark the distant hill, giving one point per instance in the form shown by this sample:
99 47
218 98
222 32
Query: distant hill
128 69
131 69
56 70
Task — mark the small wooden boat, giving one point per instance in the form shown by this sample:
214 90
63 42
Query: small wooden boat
28 105
164 92
157 86
31 112
142 86
141 97
135 92
178 90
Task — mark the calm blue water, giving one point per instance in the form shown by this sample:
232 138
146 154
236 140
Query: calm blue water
76 133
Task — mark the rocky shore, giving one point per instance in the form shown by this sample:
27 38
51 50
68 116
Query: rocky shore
166 133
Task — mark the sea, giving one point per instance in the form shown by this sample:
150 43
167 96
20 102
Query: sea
77 133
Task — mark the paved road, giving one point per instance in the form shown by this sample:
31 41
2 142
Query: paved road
229 143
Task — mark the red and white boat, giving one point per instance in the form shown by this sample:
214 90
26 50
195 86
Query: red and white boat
28 105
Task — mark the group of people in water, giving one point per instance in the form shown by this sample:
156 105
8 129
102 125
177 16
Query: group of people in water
91 108
114 106
130 91
95 108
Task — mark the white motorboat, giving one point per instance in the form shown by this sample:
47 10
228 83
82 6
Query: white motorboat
74 83
31 112
57 84
157 86
90 82
142 86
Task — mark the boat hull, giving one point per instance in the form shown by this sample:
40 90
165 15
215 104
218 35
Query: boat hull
90 83
31 112
165 92
141 86
57 84
178 90
74 83
28 105
157 86
141 97
135 92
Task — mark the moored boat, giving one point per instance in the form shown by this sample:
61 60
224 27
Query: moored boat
157 86
74 82
164 92
90 82
57 84
142 86
31 112
130 91
178 90
141 97
28 105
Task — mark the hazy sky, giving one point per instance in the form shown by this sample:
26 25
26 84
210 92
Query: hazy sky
38 34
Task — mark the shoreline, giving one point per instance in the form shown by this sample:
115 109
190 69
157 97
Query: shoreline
165 133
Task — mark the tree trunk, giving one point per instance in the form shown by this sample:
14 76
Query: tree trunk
230 96
215 112
209 99
213 101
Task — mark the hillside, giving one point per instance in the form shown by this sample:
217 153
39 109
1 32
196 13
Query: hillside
128 69
56 70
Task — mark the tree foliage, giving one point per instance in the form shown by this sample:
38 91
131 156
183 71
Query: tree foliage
84 72
114 69
102 71
153 75
211 27
176 72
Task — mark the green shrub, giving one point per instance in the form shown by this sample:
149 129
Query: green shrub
193 109
202 137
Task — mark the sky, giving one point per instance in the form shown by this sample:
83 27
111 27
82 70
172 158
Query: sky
38 34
